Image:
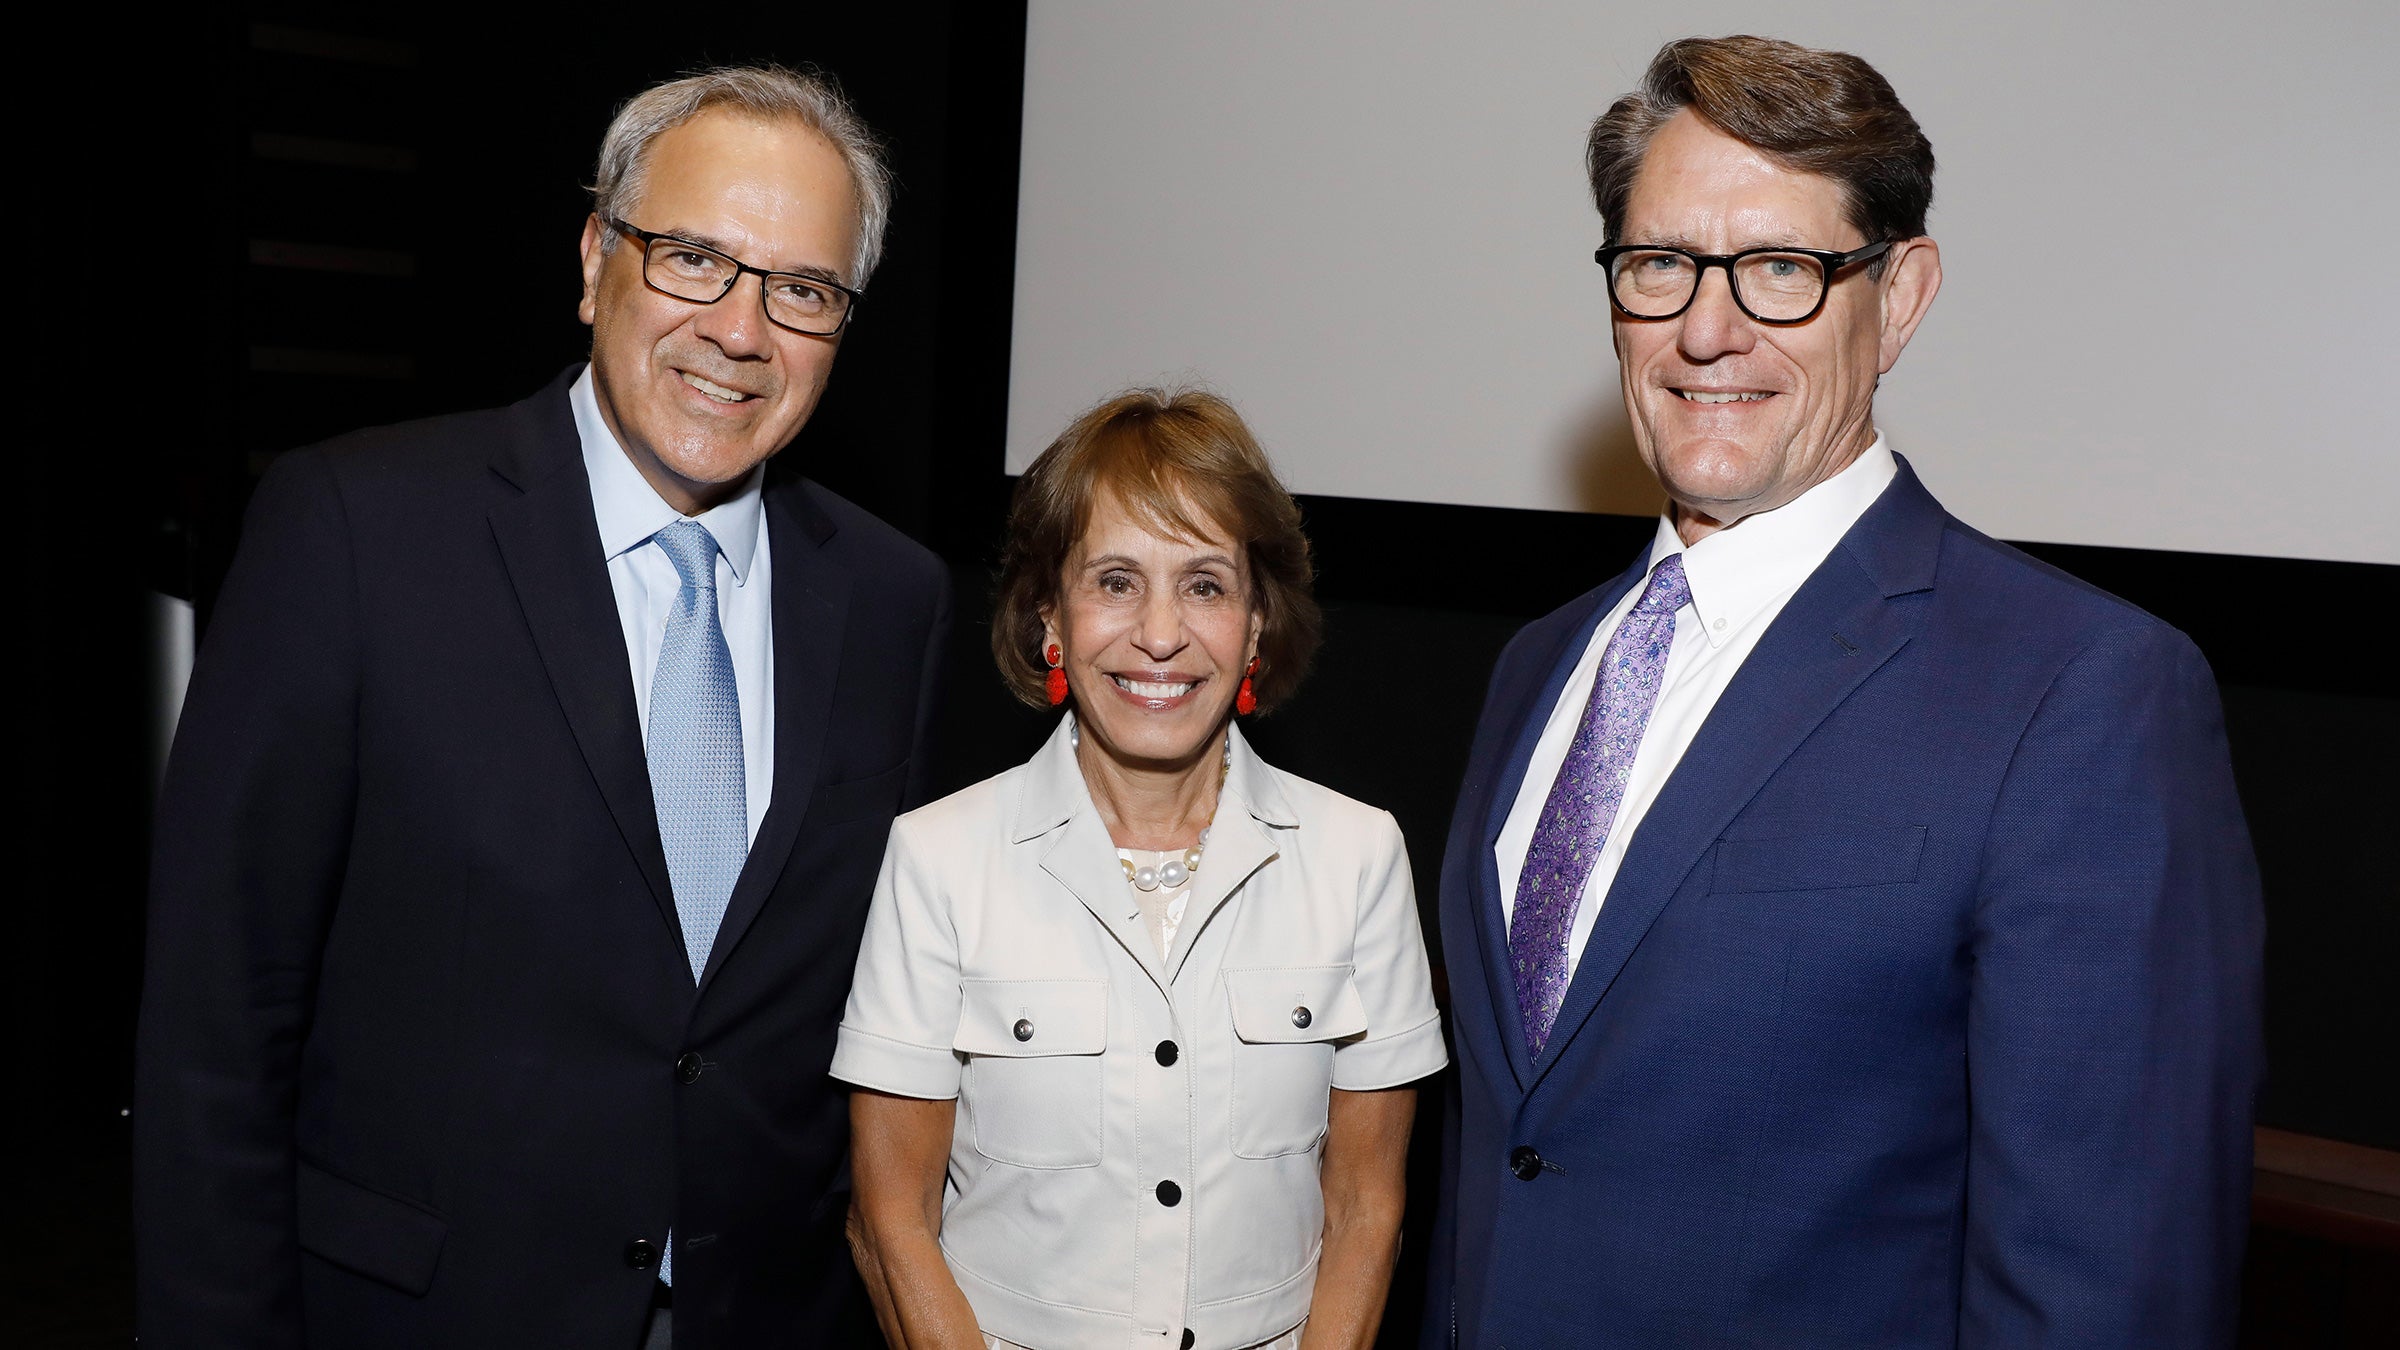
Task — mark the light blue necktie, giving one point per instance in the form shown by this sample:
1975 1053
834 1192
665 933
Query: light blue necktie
696 781
696 746
1585 796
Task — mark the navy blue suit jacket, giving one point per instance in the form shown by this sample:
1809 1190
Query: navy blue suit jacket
420 1053
1924 1010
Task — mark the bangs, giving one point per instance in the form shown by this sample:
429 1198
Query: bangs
1167 478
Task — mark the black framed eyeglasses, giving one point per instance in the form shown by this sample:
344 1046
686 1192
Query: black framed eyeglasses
814 305
1772 285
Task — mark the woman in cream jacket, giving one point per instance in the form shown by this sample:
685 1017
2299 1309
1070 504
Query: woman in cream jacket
1134 1023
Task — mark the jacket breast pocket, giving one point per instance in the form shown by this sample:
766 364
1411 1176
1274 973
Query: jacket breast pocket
1833 859
1033 1087
1285 1022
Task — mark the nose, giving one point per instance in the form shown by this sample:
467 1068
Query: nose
1160 632
1714 325
737 324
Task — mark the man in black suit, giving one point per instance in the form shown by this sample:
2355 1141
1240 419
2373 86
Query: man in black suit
531 786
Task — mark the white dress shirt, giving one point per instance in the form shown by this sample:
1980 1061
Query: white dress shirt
630 511
1740 578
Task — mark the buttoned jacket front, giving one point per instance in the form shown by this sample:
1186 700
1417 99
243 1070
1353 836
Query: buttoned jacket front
1137 1140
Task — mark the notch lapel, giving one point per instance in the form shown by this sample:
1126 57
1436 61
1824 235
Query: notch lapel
1840 628
550 544
811 603
1557 662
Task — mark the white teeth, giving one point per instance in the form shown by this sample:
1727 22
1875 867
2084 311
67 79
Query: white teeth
714 390
1700 396
1145 689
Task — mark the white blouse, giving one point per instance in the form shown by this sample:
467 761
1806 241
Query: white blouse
1137 1139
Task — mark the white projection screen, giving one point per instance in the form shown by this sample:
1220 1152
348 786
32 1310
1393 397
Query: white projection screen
2170 320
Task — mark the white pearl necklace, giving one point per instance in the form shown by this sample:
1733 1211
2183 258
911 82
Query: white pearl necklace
1170 874
1173 872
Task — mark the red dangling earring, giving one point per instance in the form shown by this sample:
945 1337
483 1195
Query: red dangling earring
1245 699
1057 681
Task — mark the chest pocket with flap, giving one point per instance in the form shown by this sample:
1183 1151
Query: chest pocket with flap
1032 1087
1285 1022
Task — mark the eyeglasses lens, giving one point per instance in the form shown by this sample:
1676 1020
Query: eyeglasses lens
1773 286
688 272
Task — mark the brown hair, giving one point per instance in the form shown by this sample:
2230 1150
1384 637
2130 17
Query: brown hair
1184 464
1818 112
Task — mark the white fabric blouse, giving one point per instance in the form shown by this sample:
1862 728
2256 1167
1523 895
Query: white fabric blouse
1137 1141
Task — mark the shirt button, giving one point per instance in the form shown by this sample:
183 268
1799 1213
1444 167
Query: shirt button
641 1253
1524 1162
688 1068
1300 1018
1023 1030
1165 1053
1170 1194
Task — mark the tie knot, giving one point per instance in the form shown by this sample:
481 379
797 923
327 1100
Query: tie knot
693 550
1668 591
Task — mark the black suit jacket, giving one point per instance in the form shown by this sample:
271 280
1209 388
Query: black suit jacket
421 1058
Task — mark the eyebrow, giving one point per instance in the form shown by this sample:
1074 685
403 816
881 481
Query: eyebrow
1787 240
716 245
1121 560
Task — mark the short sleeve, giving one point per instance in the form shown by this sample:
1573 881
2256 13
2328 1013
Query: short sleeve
904 998
1404 1031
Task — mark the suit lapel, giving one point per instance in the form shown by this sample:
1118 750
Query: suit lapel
550 544
1837 630
810 602
1556 662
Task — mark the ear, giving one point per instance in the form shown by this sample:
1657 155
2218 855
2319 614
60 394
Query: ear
1049 617
592 259
1910 282
1258 625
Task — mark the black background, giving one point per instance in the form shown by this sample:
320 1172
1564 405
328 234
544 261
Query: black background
164 359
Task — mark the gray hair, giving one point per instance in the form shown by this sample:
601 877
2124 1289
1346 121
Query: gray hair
810 97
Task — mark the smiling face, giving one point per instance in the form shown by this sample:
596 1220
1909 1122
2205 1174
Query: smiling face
1736 416
699 395
1154 633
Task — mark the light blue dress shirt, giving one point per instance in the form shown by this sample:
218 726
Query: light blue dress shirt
630 511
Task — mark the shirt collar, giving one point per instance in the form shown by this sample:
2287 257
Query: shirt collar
1736 572
1054 792
630 510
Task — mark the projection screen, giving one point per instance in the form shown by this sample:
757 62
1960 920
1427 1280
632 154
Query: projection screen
2171 318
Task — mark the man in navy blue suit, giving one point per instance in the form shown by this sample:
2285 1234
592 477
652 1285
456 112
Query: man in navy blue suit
1853 934
522 819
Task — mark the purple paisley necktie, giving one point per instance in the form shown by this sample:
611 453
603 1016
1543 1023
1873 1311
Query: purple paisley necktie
1584 798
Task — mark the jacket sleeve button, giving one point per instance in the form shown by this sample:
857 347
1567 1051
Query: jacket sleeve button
1023 1030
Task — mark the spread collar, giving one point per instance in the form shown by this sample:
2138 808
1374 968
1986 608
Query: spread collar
1735 573
630 511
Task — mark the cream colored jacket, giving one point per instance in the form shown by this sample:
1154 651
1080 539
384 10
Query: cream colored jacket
1137 1141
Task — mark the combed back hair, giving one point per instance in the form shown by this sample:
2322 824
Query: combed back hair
1183 464
769 93
1818 112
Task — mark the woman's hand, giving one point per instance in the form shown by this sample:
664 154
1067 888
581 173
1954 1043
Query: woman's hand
899 1152
1364 1174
